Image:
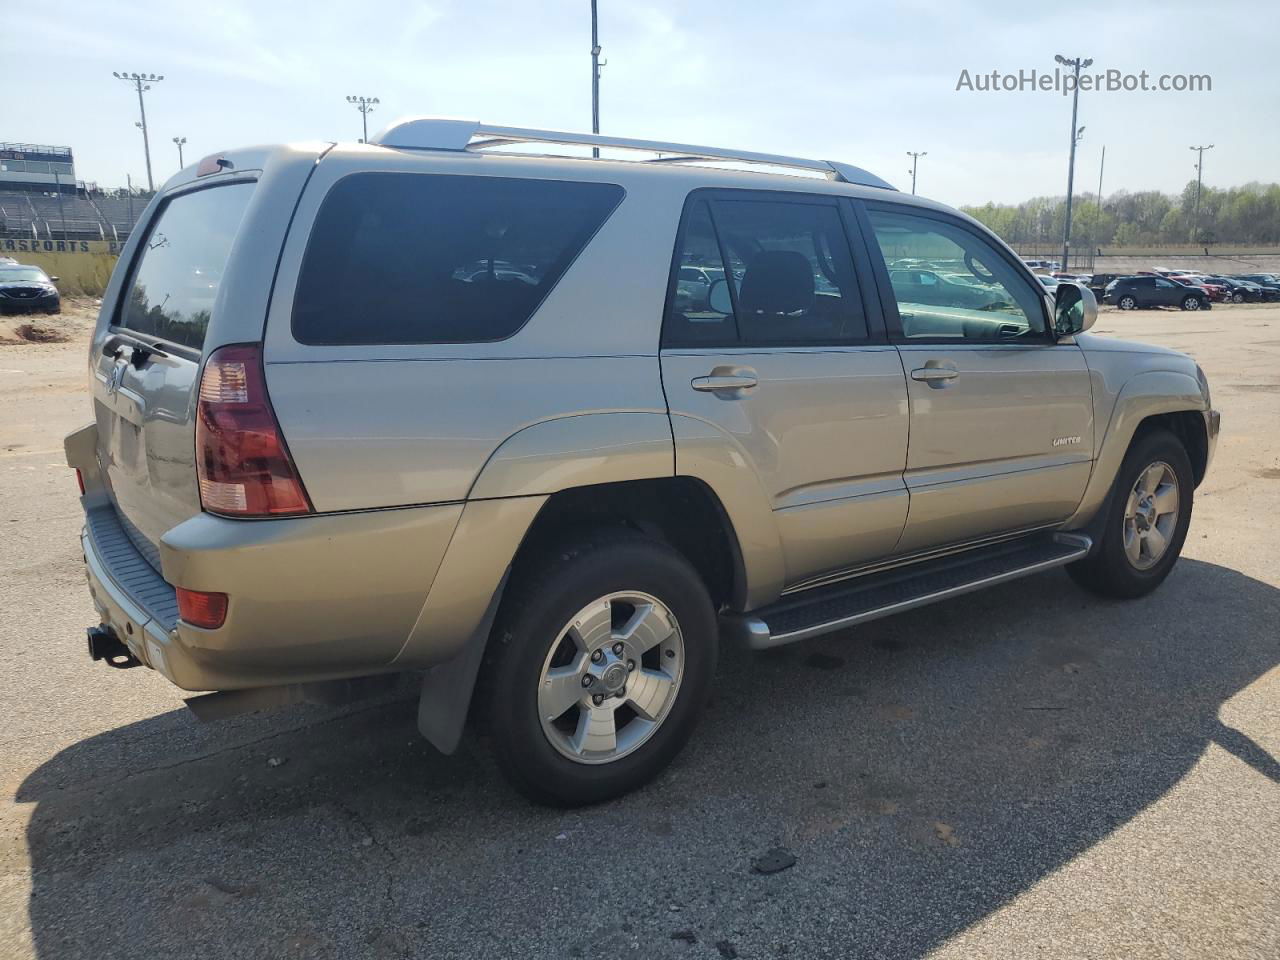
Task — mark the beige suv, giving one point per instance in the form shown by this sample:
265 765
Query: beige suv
551 426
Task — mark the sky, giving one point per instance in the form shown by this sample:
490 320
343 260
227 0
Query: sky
852 81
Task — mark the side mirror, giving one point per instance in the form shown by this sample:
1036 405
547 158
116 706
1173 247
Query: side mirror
718 298
54 279
1075 309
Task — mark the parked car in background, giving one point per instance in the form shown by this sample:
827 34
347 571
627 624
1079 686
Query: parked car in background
693 286
1131 293
1047 265
1268 281
1241 291
1216 291
27 289
1050 283
1098 282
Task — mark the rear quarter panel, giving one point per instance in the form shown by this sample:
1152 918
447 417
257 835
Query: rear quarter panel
388 425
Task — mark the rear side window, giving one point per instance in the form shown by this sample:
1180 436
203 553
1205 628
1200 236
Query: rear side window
405 258
179 269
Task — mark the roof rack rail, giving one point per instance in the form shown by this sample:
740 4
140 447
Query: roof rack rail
446 133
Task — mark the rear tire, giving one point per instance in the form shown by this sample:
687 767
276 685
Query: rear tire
642 609
1237 298
1139 543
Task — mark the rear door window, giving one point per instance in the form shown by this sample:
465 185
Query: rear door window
790 278
179 268
405 258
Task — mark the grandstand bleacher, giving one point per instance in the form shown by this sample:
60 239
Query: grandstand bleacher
86 217
41 199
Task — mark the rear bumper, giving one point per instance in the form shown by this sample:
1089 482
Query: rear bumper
144 630
317 597
310 598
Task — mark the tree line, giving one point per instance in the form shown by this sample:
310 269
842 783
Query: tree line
1235 215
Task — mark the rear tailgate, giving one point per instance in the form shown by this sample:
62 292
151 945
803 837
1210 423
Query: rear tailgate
199 276
146 370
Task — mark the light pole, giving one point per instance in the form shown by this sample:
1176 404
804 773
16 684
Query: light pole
180 141
1195 217
596 64
1077 64
142 82
915 159
365 105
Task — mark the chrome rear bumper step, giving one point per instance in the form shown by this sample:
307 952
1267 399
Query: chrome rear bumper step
836 606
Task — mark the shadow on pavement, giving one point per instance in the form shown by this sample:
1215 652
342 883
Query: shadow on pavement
923 770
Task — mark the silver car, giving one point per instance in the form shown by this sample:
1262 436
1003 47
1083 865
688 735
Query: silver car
544 430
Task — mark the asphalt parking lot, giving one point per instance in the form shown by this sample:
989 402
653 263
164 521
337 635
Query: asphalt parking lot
1024 772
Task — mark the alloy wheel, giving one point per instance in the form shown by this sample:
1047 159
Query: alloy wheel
610 678
1151 515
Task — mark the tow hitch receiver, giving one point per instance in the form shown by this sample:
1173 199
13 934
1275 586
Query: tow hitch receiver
105 645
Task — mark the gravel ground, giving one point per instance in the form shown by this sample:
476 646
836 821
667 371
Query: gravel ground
1024 772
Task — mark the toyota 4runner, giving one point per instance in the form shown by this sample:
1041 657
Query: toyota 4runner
543 429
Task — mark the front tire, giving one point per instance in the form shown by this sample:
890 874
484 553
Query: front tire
598 668
1146 522
1190 303
1237 298
1127 303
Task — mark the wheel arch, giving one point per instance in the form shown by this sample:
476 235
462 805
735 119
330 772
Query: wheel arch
680 511
1147 401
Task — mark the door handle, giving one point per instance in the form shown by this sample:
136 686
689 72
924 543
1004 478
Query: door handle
932 375
724 383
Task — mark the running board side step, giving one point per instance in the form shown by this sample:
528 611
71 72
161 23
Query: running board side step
825 609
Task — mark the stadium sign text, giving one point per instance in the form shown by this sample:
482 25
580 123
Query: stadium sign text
23 245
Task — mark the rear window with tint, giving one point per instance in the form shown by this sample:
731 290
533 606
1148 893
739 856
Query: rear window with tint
179 267
422 258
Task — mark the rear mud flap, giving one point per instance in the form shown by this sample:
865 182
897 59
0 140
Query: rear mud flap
447 688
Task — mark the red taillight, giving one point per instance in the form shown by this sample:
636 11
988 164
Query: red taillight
242 462
201 609
80 481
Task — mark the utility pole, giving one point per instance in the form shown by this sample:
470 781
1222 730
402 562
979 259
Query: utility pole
1077 64
142 82
129 180
180 141
365 105
1097 221
915 158
1195 217
596 64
